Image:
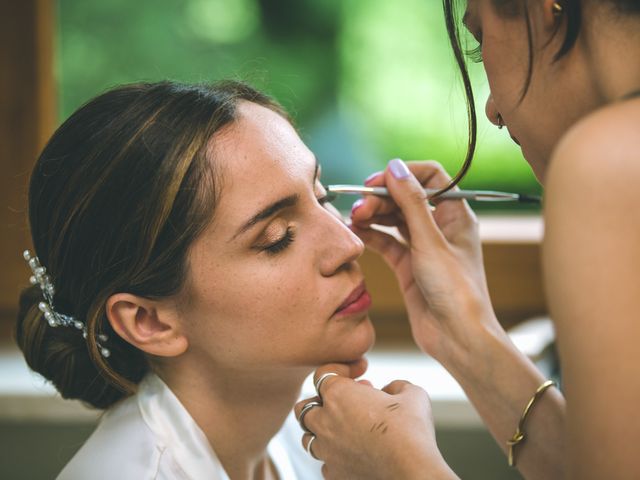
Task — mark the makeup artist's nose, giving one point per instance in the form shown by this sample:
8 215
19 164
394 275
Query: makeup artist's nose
341 247
491 111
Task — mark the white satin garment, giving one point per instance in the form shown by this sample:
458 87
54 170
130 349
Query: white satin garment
152 436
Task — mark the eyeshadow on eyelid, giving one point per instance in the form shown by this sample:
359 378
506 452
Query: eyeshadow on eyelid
274 231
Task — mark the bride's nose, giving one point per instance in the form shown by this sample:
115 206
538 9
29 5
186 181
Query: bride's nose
341 247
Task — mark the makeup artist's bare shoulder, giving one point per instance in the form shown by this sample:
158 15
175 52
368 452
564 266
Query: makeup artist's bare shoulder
600 154
591 218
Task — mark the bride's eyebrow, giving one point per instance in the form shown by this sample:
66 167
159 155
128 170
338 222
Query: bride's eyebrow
275 207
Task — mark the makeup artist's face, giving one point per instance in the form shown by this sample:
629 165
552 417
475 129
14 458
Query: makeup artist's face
270 274
556 97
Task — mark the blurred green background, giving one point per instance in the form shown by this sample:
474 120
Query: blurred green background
365 80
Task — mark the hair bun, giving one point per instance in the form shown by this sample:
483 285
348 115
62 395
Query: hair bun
60 355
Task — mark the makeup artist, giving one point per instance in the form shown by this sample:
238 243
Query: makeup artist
565 82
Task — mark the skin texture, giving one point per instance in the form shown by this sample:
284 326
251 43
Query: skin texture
506 62
582 142
590 258
383 419
253 324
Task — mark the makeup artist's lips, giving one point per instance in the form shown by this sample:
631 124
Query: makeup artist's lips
358 301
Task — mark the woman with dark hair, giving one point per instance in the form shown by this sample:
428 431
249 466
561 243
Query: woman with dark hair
187 276
565 82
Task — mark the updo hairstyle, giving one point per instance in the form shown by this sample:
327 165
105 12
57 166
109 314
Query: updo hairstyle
116 198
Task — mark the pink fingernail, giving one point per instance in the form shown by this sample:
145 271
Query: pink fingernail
356 205
372 177
399 169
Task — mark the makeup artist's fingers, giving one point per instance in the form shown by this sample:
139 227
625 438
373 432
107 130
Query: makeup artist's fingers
350 370
429 174
451 217
377 210
297 408
409 194
432 175
370 235
315 448
390 220
344 371
370 205
388 247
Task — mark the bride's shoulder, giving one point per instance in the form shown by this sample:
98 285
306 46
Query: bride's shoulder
116 447
599 155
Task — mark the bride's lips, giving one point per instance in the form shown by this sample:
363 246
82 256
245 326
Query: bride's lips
358 301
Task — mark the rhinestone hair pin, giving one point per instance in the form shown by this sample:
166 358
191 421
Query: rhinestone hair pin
56 319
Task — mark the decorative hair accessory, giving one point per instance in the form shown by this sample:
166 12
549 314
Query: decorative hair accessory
56 319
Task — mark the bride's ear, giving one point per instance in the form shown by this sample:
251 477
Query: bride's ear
146 324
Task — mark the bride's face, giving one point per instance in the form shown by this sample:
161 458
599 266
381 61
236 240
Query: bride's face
271 274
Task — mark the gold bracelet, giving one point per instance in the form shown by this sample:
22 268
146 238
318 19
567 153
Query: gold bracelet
519 436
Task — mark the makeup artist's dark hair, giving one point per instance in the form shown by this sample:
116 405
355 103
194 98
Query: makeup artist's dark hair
118 195
572 18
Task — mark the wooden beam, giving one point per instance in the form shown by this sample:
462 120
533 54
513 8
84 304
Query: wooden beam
27 119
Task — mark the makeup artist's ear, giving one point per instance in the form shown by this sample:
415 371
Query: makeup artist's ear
149 325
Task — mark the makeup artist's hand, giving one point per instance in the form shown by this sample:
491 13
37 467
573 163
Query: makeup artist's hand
362 432
438 264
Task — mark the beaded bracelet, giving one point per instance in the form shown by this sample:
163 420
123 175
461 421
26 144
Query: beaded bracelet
519 436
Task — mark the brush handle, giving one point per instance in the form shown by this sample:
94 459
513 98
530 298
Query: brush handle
476 195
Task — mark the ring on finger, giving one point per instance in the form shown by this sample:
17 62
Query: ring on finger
304 411
321 380
309 450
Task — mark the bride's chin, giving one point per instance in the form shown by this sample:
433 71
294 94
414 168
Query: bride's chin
359 342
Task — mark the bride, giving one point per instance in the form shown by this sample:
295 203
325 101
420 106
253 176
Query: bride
185 264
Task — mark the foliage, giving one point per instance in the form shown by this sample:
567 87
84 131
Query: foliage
366 80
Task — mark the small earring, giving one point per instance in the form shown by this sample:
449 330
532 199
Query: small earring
500 122
557 9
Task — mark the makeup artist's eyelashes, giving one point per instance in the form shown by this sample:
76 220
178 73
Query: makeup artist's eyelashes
475 55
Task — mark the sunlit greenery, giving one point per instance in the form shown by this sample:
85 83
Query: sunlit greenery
366 80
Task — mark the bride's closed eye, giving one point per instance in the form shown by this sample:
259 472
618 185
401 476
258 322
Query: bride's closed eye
282 243
285 240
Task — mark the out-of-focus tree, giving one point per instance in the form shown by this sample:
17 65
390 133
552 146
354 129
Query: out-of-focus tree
366 80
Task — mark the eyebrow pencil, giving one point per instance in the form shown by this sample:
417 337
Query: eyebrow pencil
476 195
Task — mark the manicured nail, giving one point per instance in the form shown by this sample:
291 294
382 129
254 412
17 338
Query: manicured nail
399 169
356 205
372 177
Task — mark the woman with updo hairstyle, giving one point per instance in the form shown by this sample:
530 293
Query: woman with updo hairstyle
185 263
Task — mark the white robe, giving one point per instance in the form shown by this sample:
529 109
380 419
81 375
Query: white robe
152 436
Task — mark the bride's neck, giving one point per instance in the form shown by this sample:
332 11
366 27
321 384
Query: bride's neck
238 411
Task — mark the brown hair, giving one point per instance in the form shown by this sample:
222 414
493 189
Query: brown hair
572 16
118 195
